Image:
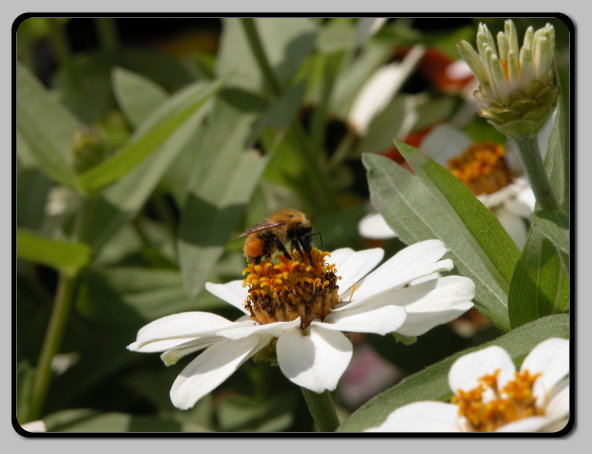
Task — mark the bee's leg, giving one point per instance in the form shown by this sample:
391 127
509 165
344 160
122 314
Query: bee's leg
257 260
282 248
308 253
298 247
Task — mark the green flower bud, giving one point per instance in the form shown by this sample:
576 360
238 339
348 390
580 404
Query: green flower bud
88 149
517 89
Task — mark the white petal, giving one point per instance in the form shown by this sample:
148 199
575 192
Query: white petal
173 330
315 360
35 426
417 324
232 292
366 27
444 143
173 355
352 265
450 298
523 203
413 262
380 88
249 328
532 424
423 416
211 368
374 226
559 405
500 197
514 225
551 359
467 369
379 320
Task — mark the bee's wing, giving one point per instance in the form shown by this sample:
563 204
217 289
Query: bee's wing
258 227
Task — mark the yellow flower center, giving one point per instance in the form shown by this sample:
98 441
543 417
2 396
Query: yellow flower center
285 289
514 401
482 167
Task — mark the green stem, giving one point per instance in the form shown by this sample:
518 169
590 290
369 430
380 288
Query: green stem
52 342
107 34
322 410
58 319
257 47
319 176
535 169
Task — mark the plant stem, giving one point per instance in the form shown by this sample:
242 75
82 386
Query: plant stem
322 410
107 33
257 47
58 319
52 342
319 175
539 181
62 49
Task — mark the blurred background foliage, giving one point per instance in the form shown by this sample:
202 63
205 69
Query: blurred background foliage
144 145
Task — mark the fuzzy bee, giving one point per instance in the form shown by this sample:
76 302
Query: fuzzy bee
280 228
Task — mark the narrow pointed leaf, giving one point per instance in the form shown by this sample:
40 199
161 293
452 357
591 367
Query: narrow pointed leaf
46 127
558 150
555 226
136 95
416 209
151 136
540 284
62 255
121 201
432 382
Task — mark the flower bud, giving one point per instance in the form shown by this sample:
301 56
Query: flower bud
517 89
88 149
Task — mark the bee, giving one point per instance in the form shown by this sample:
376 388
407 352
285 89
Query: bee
280 228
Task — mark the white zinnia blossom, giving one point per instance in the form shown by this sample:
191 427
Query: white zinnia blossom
550 359
512 204
405 294
380 88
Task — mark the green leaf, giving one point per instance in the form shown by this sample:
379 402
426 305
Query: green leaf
434 204
540 285
134 296
242 413
432 383
286 44
338 36
87 420
224 178
555 226
384 126
62 255
122 200
32 187
359 70
153 133
558 150
137 96
45 126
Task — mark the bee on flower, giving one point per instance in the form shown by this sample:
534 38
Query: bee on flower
297 311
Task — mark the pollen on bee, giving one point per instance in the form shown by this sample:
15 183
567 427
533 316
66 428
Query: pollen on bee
290 288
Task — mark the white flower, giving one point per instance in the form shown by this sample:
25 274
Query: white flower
405 294
511 204
380 88
374 227
540 389
35 426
